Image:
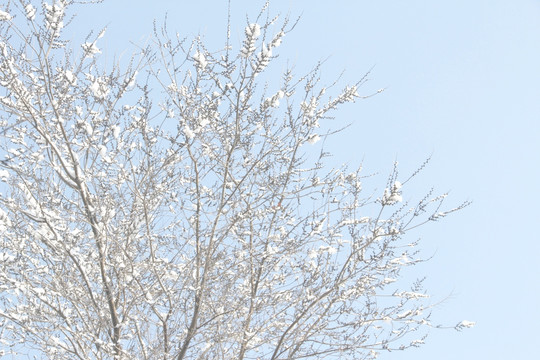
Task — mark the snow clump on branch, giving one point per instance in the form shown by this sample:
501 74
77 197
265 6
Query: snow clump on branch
4 16
392 196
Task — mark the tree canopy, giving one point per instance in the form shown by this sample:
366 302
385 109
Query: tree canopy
180 206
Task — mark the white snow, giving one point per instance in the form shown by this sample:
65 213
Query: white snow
467 324
253 30
4 16
70 77
200 60
99 89
30 12
189 133
90 49
312 139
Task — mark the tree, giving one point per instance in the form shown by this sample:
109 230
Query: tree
183 216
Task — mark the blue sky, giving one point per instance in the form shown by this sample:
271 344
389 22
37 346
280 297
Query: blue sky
462 84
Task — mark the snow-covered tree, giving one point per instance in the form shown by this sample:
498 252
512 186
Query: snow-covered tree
173 208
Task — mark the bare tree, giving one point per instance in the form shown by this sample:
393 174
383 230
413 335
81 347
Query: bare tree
173 208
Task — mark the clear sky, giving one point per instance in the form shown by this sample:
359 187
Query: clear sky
462 83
